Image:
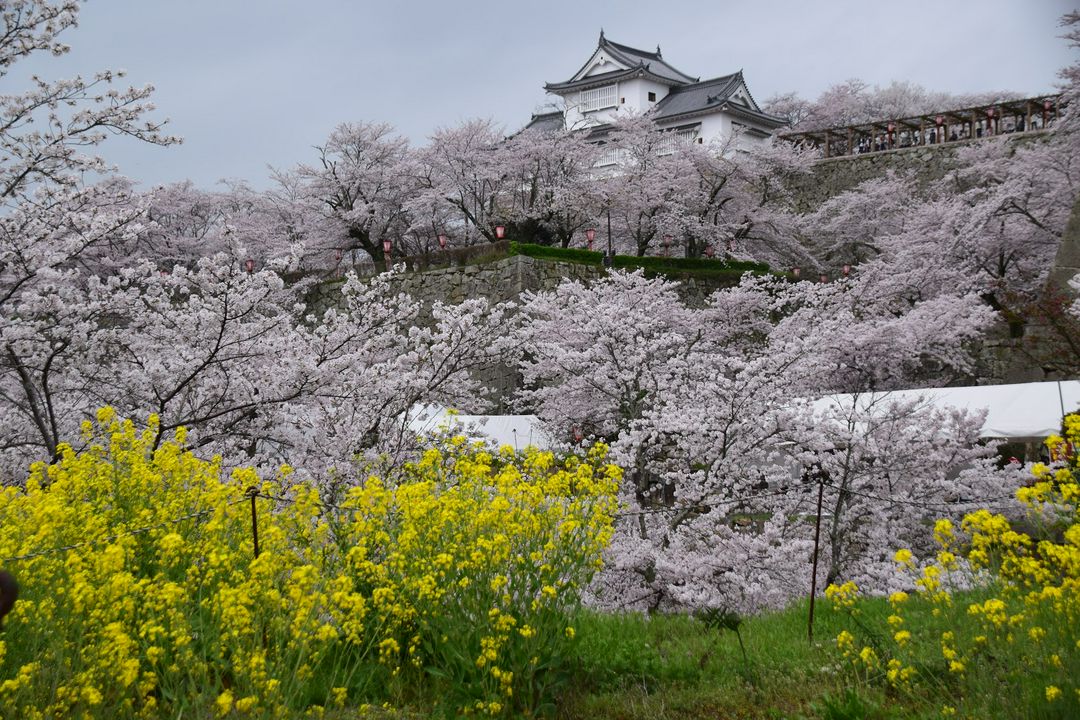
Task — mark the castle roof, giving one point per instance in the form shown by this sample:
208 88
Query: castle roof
687 97
547 122
635 63
707 96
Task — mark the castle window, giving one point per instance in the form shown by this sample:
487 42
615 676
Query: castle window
608 156
671 139
597 98
652 97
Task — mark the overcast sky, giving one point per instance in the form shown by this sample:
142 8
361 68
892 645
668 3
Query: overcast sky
251 83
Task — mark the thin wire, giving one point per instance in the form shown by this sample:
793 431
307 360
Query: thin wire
117 536
989 502
1000 499
318 503
703 505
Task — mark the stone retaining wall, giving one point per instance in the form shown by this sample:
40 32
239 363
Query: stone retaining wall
833 176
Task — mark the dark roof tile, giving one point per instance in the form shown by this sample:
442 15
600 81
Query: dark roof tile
547 122
707 95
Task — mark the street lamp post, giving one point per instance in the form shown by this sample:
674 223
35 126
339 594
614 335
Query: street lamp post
609 259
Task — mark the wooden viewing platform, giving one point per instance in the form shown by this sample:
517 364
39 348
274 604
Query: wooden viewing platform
981 121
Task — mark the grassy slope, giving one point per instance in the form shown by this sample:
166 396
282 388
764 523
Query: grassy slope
630 667
672 667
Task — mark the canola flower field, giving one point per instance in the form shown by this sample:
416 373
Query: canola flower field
452 589
1012 641
458 577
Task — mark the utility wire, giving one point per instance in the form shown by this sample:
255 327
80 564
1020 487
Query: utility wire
989 502
702 505
997 500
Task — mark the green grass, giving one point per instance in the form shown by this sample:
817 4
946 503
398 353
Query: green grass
632 666
674 267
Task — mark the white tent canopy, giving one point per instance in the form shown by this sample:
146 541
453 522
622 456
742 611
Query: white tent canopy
517 431
1019 412
1025 411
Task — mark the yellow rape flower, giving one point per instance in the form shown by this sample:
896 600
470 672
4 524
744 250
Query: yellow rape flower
224 703
904 558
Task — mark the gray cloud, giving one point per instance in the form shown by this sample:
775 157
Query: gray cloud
250 84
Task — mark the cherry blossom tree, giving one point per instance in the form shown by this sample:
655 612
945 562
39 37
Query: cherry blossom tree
855 101
703 408
114 297
556 192
54 228
739 201
378 355
461 176
988 230
360 186
742 477
232 356
645 173
590 353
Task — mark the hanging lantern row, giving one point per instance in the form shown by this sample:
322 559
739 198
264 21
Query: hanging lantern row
796 272
500 231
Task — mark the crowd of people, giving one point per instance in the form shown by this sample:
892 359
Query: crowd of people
945 128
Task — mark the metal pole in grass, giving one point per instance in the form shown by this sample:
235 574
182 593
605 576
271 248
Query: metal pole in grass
609 261
254 521
817 539
254 493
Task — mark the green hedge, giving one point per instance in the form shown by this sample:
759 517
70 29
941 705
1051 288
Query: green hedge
551 252
684 263
665 265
